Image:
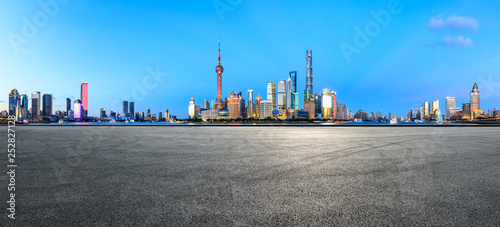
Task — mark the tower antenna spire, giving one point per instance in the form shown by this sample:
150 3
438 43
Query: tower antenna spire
219 49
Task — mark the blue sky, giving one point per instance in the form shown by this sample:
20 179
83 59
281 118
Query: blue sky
426 51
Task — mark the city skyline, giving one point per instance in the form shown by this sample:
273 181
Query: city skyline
424 53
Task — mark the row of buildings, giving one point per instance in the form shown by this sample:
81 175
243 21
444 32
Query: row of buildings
42 106
469 111
282 101
128 114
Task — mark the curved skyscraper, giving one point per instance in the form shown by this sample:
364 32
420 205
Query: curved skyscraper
219 69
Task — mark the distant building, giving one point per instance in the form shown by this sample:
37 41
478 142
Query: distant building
271 93
192 109
77 109
131 109
234 106
474 100
310 107
102 114
334 104
47 104
125 108
427 110
308 92
14 102
206 105
209 114
450 104
466 112
258 99
68 105
282 95
36 99
148 112
317 104
435 107
85 97
266 109
250 108
326 104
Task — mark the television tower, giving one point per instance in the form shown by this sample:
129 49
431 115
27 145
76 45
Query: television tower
219 69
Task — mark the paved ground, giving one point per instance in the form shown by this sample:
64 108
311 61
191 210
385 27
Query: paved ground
255 176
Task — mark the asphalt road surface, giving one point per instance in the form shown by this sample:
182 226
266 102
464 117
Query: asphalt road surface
253 176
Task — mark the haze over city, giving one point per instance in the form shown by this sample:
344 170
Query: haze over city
423 52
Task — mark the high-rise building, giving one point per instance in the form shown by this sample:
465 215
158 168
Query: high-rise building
466 111
212 105
206 105
334 105
160 116
326 104
77 109
102 114
219 69
35 103
427 110
317 104
266 109
308 92
148 112
435 107
47 104
289 87
309 104
14 102
234 106
131 109
450 104
250 108
192 109
243 111
281 95
167 115
258 99
84 95
293 77
68 105
124 108
23 109
474 100
271 93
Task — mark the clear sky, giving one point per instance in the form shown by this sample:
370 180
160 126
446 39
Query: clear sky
427 50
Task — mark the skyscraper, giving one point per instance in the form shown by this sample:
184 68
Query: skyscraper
334 105
47 104
23 110
450 104
124 108
250 107
131 109
102 114
435 107
206 105
317 104
427 109
326 104
14 101
309 104
234 106
271 93
282 95
258 99
68 105
308 92
35 103
289 87
77 109
474 100
219 69
293 77
84 95
466 111
192 109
